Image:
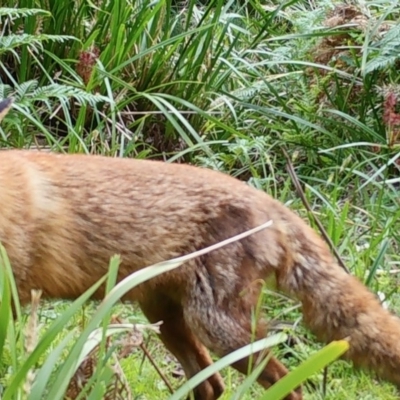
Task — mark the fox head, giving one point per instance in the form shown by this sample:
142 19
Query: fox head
5 105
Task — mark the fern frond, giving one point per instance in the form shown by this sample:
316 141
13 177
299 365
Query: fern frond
5 91
27 87
10 42
14 13
387 50
29 90
243 94
64 93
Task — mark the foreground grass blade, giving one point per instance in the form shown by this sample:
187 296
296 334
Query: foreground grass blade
46 341
70 364
226 361
5 303
309 367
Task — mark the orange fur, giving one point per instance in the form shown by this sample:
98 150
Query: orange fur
63 217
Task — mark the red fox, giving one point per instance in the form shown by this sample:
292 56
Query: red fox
63 217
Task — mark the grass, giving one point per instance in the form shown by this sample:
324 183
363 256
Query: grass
225 85
343 381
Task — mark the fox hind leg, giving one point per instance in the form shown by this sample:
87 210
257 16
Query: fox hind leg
225 325
180 341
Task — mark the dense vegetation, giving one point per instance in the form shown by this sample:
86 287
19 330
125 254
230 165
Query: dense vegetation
245 87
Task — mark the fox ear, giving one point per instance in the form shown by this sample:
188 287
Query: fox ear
5 105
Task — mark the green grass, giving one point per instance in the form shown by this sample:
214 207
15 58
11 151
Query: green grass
343 382
225 86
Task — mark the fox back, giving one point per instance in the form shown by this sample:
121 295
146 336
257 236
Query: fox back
63 217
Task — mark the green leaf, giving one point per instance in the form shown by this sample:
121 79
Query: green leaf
309 367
